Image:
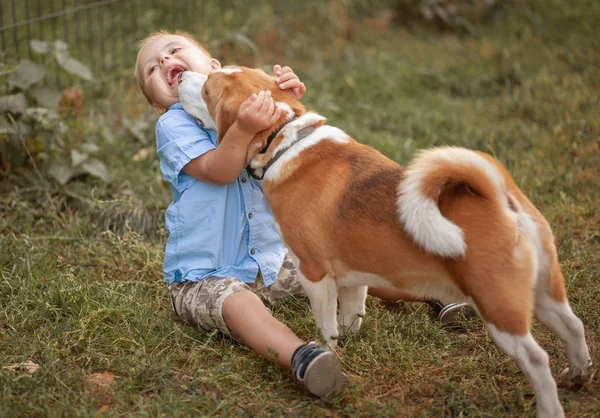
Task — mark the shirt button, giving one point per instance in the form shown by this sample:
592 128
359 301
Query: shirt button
250 215
244 180
252 251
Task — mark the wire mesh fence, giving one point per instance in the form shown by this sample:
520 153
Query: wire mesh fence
102 34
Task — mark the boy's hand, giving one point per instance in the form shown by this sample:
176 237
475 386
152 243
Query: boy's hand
257 113
287 80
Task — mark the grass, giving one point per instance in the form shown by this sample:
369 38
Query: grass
81 290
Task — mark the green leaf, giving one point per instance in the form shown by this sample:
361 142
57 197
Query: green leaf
47 119
89 147
78 157
6 127
107 135
74 67
61 47
40 47
61 172
96 168
28 74
46 96
14 103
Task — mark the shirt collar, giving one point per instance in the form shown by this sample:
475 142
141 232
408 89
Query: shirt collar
210 132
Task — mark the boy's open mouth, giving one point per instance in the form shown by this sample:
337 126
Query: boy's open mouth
174 73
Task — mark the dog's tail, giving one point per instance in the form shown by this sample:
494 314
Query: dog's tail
431 173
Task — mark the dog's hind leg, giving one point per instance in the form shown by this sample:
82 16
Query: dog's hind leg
502 289
352 308
534 362
507 321
553 310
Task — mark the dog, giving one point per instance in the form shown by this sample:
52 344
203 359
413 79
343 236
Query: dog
453 225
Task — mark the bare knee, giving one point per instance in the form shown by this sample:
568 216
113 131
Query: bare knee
239 304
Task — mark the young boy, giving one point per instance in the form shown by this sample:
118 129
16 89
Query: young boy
224 259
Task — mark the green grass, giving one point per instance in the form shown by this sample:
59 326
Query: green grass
81 290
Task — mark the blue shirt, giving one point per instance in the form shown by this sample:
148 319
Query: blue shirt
214 230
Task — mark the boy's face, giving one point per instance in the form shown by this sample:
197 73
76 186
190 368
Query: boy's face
160 63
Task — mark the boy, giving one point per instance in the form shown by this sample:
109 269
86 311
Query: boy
223 252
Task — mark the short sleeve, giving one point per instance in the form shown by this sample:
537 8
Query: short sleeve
179 140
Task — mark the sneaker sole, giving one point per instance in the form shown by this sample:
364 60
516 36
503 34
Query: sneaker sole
324 377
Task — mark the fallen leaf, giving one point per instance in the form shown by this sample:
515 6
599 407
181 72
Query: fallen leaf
103 379
28 367
211 393
5 166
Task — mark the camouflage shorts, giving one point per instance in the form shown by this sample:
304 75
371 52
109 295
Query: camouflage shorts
201 303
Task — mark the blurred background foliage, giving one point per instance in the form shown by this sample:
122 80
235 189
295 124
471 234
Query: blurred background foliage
64 64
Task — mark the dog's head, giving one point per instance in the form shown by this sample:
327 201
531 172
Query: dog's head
214 100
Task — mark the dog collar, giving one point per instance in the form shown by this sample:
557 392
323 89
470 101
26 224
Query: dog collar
274 134
300 135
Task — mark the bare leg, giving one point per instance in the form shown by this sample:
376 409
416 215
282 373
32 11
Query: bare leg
392 294
247 317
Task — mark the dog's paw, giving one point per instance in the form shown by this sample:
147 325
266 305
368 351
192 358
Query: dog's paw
327 341
574 377
349 324
331 341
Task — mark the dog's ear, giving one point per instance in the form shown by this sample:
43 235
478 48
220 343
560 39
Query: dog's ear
225 118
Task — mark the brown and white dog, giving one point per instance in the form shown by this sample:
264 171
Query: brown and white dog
453 225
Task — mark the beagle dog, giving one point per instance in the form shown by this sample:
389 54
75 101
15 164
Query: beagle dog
453 225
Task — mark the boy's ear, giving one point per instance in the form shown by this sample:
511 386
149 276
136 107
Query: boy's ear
158 109
214 64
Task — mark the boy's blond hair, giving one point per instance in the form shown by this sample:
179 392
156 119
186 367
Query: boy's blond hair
152 37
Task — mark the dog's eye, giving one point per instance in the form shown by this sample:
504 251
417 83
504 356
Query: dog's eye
205 91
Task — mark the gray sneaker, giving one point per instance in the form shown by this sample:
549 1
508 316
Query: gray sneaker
318 370
450 313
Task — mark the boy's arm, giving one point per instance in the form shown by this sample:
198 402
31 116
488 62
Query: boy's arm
225 163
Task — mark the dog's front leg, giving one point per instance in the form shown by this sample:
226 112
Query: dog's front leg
352 308
323 300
